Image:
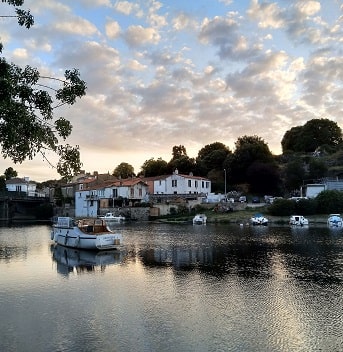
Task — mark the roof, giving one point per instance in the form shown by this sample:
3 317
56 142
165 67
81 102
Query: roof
18 180
163 177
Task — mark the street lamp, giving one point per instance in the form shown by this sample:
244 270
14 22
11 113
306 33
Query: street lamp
225 184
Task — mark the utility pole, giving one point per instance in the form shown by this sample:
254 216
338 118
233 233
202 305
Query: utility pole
225 184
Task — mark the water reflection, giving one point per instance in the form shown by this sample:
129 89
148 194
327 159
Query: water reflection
303 254
176 288
71 260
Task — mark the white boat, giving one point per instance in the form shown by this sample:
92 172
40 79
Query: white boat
259 219
335 220
200 219
111 217
90 234
298 220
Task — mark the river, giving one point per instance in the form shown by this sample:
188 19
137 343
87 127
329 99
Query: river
174 288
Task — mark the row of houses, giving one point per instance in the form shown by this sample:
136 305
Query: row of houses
93 196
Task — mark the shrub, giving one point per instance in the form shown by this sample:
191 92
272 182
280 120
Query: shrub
306 207
282 207
329 202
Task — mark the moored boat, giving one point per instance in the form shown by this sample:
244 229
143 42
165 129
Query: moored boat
335 220
111 217
298 220
259 219
91 234
200 219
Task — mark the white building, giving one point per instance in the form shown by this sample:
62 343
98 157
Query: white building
22 185
181 184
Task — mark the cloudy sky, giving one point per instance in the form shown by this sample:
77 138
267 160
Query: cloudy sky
182 72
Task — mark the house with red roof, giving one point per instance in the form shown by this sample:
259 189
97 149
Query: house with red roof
91 198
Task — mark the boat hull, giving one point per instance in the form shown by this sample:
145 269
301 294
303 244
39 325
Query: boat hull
298 220
259 220
199 219
335 221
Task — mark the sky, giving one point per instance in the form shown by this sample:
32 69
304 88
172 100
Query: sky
167 73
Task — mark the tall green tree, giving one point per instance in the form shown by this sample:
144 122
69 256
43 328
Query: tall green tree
248 150
9 173
28 126
154 167
124 170
317 169
294 175
181 161
2 183
264 178
212 157
316 133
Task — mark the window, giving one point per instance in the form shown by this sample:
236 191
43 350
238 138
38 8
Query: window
196 184
132 192
140 192
207 184
189 183
202 184
114 193
174 183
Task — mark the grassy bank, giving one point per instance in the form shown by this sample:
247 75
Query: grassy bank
242 217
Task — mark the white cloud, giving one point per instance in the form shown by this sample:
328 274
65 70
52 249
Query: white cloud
193 73
76 26
112 29
126 7
138 35
267 14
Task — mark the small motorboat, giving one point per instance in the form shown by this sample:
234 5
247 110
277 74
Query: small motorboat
200 219
335 220
111 217
90 234
259 219
298 220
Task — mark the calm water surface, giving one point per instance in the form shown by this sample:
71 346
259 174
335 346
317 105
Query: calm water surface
174 288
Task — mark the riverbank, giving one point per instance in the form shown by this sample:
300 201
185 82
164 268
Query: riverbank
243 217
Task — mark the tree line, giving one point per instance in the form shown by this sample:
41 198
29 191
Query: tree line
309 153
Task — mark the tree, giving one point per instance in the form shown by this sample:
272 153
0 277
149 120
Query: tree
315 134
181 161
294 174
263 178
9 173
317 169
212 156
124 170
330 201
27 123
179 151
2 183
154 167
248 149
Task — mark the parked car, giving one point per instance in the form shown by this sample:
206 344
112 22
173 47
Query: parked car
255 200
242 199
